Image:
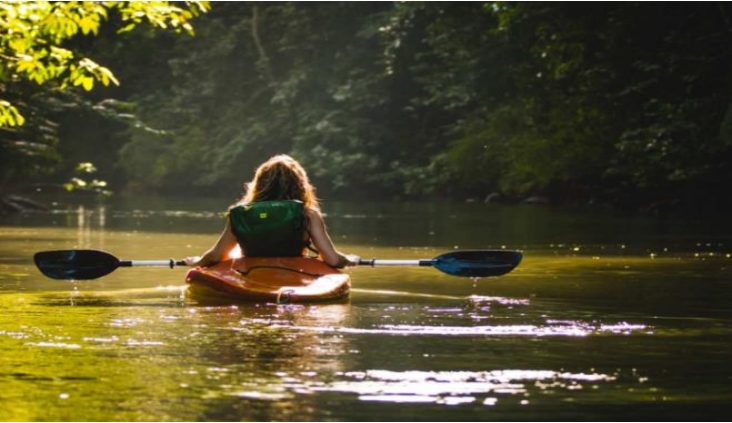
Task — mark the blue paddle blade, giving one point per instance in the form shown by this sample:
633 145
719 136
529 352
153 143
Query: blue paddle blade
478 263
75 264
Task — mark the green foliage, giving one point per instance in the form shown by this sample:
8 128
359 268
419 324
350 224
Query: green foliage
9 115
617 102
611 101
34 33
40 66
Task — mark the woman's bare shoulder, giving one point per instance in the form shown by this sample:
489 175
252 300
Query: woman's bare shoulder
311 212
314 217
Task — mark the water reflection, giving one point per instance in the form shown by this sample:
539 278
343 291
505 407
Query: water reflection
90 225
457 387
250 352
550 328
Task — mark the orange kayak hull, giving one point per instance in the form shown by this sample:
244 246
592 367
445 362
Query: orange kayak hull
269 279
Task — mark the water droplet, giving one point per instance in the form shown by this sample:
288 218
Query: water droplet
75 293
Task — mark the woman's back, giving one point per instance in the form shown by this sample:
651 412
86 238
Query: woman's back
270 228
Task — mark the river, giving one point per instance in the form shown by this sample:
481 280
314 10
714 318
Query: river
611 316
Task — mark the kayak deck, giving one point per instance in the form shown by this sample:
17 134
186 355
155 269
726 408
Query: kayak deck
269 279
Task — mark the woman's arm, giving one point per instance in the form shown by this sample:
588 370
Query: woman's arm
323 243
222 249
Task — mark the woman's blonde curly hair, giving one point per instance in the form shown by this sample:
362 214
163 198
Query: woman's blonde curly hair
281 178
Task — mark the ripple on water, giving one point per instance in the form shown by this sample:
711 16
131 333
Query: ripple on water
438 387
551 328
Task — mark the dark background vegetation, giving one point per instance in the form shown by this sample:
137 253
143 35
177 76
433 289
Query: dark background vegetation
622 103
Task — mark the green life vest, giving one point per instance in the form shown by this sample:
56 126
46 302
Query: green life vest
269 228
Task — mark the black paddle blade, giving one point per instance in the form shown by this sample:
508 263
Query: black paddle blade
478 263
75 264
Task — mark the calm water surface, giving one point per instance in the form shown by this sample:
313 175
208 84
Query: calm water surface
609 317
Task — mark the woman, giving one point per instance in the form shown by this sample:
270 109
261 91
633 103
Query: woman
278 216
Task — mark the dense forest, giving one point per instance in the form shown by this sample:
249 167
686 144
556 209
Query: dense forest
623 103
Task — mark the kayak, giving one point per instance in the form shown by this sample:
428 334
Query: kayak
269 279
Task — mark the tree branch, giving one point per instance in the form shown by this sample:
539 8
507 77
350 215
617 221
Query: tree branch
263 64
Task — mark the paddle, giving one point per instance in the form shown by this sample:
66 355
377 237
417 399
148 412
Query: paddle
92 264
470 263
88 264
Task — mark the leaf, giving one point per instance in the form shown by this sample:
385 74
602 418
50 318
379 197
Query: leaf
27 64
107 76
89 25
129 27
78 79
9 115
88 83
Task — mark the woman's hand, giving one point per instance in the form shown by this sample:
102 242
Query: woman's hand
352 259
192 260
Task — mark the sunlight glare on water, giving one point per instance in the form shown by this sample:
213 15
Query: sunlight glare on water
551 328
455 387
485 388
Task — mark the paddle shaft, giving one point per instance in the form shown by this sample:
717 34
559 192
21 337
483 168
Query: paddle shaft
379 263
151 263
